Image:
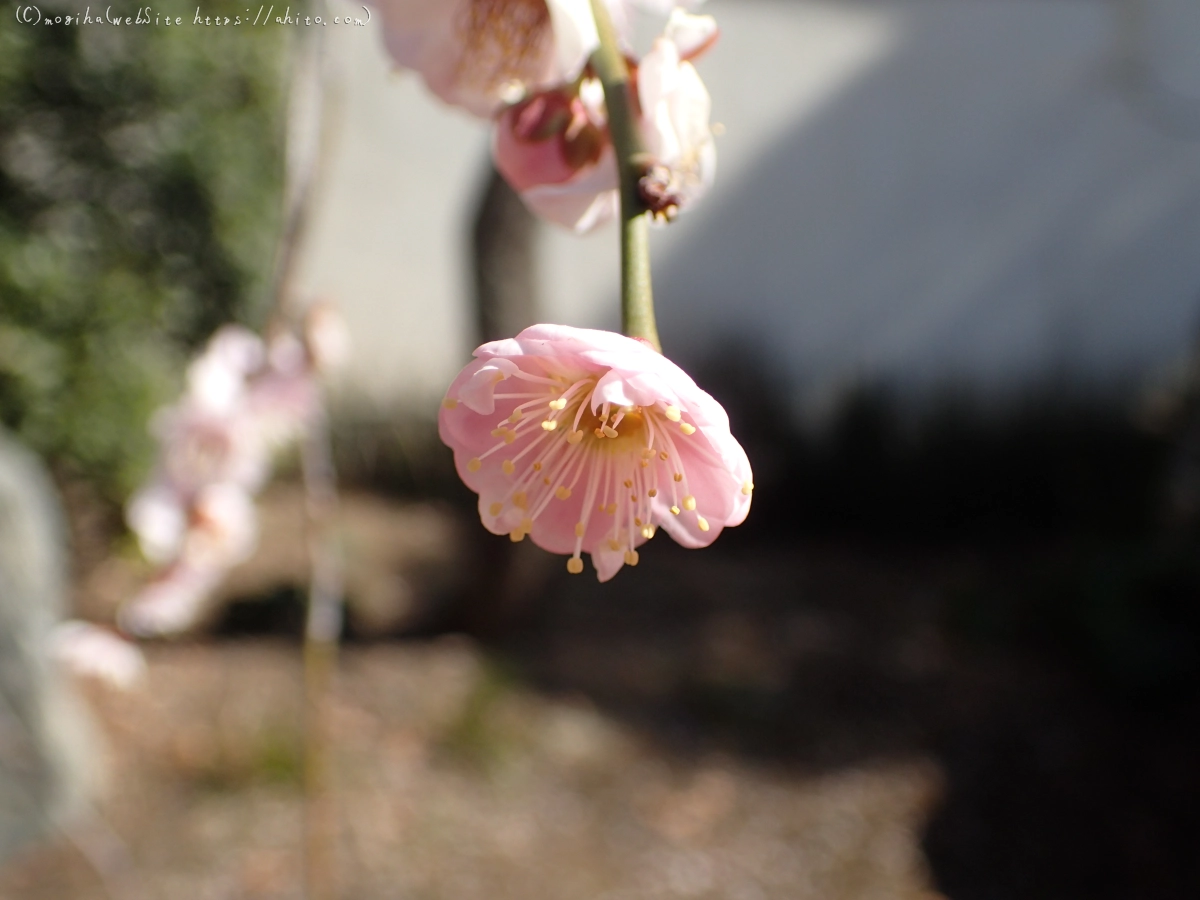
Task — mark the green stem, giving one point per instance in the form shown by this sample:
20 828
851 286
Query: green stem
637 294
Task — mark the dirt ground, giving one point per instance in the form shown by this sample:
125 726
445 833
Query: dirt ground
758 721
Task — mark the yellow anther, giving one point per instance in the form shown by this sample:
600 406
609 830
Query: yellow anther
516 416
748 488
560 403
520 500
687 429
510 437
537 467
628 483
631 557
609 431
499 432
473 465
614 544
689 502
702 523
678 476
563 492
574 437
637 521
495 508
611 509
653 492
449 403
645 463
598 433
550 425
574 565
516 535
633 498
664 456
647 453
546 480
578 529
647 531
507 467
527 525
674 510
672 413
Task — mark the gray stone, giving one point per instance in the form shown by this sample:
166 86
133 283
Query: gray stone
45 740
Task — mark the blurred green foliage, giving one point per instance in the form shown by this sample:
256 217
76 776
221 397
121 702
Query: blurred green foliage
140 179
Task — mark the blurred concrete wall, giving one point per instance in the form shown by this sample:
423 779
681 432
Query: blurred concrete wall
983 193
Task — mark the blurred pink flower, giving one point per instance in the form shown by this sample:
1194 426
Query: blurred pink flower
90 651
244 400
481 54
555 150
588 441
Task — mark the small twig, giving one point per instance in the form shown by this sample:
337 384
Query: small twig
637 295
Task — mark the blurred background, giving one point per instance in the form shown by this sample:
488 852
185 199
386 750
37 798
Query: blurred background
947 286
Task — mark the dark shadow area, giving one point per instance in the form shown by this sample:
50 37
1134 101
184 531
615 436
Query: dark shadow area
998 593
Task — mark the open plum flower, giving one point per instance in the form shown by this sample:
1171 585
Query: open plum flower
588 441
482 54
554 146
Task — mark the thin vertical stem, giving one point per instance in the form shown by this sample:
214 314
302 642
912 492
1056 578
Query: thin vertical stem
321 633
637 295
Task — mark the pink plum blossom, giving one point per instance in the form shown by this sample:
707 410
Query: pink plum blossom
245 399
588 441
555 150
481 54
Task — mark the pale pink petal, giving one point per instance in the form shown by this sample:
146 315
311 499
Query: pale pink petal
692 35
90 651
158 516
170 604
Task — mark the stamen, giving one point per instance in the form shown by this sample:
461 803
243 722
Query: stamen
562 493
579 529
537 467
674 510
686 428
449 403
672 413
631 557
574 565
664 456
507 467
520 500
495 508
474 465
516 536
652 493
574 437
614 545
510 437
748 488
559 403
628 483
678 476
516 415
647 531
550 424
689 503
702 523
608 431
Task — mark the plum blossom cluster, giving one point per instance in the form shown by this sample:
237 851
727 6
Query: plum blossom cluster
589 442
524 64
245 399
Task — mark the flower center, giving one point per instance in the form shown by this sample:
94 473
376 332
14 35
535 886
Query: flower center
552 444
504 42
